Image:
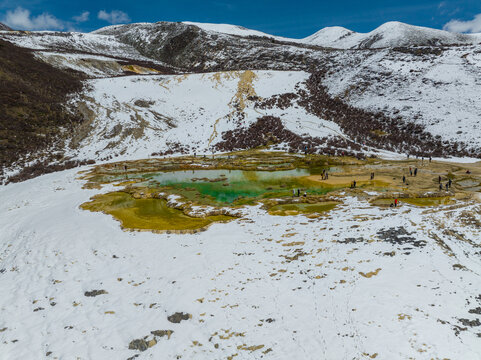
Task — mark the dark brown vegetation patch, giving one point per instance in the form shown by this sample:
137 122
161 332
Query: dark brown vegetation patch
374 129
32 94
269 130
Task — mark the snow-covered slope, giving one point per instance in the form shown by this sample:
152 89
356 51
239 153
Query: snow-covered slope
439 90
133 117
390 34
74 42
358 283
235 30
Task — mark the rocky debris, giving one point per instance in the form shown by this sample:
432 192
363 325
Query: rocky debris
351 240
93 293
178 317
475 311
147 342
399 236
162 333
139 344
143 103
470 323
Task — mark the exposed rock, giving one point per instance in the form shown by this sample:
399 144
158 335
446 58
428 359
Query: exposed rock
162 333
470 323
138 344
178 317
399 236
95 293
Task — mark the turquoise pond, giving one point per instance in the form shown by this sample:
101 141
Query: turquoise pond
229 186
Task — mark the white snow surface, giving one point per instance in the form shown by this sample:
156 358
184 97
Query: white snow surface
106 45
192 110
236 282
443 93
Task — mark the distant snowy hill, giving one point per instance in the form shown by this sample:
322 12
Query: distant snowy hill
390 34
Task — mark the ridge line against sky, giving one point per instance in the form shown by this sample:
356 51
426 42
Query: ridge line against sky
279 18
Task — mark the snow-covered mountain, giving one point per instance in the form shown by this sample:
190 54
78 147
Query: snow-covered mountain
189 85
390 34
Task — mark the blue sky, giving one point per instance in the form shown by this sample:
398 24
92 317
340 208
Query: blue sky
294 19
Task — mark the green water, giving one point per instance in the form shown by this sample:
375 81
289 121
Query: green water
229 186
148 214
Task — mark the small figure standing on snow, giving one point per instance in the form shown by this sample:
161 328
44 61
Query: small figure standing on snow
395 202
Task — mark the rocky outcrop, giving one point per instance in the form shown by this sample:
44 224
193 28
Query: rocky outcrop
4 27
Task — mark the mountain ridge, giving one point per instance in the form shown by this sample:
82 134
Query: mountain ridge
389 34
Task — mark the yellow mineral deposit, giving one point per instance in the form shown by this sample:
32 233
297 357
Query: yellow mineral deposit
370 274
148 214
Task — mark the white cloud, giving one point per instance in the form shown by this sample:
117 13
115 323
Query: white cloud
113 17
21 19
82 17
459 26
